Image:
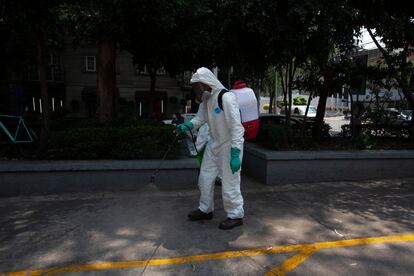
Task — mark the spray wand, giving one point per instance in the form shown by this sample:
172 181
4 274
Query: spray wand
170 146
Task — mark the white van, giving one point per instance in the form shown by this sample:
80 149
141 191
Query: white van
299 111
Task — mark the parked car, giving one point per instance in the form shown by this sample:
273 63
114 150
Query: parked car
300 110
278 119
407 113
167 122
187 117
296 123
389 116
396 117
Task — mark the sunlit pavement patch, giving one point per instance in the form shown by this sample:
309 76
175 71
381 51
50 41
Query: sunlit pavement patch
304 251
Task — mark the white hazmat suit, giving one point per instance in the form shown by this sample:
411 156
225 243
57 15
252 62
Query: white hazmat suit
226 132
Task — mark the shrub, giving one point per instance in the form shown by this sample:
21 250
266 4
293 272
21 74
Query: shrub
281 103
299 100
272 136
125 109
131 142
66 123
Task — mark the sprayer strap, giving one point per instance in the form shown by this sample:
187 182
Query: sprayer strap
220 98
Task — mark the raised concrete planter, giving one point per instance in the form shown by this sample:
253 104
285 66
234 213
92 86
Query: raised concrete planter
282 167
28 177
270 167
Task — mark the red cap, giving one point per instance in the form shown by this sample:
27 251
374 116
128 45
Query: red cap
239 84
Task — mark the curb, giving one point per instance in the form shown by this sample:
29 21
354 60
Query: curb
45 177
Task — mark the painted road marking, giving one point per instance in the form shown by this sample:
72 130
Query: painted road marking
292 262
305 251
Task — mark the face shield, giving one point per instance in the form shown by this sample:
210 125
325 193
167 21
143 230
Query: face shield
202 81
201 94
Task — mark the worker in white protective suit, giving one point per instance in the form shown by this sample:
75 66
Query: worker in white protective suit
224 151
249 116
203 136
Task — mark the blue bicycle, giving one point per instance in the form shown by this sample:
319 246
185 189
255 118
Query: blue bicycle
13 130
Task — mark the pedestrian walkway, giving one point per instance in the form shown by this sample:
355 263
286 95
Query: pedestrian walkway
362 228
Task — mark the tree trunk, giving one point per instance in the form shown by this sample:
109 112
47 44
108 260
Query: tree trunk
284 75
410 99
271 101
45 126
106 81
303 131
320 112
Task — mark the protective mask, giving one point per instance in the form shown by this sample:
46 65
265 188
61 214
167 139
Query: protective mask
202 96
206 95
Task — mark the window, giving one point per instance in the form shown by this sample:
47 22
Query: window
53 69
90 63
54 72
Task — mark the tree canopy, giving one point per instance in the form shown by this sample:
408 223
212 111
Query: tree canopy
250 36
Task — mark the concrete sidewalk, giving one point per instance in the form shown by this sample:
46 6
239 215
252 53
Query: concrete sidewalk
119 232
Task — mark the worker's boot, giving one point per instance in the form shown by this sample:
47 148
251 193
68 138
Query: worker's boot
230 223
199 215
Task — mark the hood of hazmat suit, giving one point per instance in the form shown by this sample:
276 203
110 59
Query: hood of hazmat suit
205 76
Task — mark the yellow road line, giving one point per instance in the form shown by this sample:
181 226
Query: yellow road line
364 241
159 262
216 256
292 262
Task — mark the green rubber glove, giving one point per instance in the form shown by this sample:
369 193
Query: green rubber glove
181 128
234 160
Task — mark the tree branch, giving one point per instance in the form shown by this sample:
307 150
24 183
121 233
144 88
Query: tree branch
382 50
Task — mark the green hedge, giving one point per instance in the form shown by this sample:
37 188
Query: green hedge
299 100
274 137
62 124
131 142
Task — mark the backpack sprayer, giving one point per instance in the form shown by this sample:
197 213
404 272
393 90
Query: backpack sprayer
170 146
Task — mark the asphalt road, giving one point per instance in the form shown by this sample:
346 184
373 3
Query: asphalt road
343 228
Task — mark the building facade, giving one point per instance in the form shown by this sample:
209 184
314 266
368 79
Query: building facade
72 81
